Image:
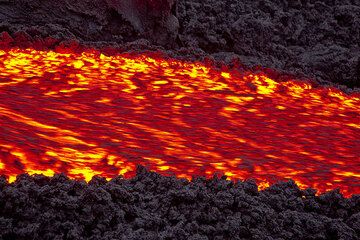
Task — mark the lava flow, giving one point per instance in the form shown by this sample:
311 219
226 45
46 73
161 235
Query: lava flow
90 114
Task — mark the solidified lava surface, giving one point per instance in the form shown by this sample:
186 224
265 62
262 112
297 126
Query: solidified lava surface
152 206
87 114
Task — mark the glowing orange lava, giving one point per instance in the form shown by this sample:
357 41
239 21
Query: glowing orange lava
87 114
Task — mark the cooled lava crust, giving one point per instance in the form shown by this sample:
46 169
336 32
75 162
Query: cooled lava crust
151 206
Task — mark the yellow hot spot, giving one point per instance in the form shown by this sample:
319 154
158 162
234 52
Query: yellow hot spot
236 99
78 64
212 154
72 140
347 174
353 125
150 60
280 107
265 85
82 80
300 184
352 102
2 165
19 61
95 155
231 109
179 96
125 170
263 185
103 100
271 83
47 172
130 85
229 174
163 168
157 161
225 74
235 162
338 95
132 66
18 154
241 140
72 90
12 178
295 172
218 166
193 73
296 90
86 172
51 153
160 82
103 57
50 93
169 95
217 86
111 159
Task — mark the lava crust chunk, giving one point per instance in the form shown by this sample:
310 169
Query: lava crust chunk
308 38
151 206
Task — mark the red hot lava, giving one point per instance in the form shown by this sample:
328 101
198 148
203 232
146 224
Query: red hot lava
87 114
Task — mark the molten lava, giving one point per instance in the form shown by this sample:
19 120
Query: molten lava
88 114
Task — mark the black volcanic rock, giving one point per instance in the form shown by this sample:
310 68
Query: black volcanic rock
317 38
151 206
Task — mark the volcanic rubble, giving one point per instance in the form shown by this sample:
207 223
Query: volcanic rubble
152 206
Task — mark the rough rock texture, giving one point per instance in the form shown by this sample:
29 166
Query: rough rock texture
316 39
151 206
153 19
117 21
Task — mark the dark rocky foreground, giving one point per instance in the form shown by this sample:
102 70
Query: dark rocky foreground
151 206
308 38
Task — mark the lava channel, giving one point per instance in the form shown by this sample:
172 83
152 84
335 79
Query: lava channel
87 114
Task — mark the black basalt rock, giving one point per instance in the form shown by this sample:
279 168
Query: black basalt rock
58 208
